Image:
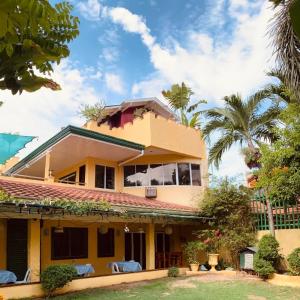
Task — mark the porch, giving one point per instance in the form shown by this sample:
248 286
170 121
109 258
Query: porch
36 244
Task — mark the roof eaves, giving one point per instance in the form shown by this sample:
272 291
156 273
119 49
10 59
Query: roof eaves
77 131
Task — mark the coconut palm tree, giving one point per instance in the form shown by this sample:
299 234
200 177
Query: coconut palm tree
179 98
285 32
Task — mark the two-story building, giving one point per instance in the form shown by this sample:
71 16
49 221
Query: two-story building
146 171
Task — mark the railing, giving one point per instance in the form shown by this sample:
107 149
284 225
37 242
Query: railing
285 215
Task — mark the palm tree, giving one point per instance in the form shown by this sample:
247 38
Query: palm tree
242 122
179 98
279 92
285 31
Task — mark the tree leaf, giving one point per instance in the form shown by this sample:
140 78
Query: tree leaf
9 50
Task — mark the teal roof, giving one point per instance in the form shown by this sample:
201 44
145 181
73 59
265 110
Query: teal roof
75 131
11 144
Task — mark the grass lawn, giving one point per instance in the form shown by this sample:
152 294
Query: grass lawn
188 289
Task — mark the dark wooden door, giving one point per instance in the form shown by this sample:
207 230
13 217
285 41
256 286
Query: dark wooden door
135 247
17 232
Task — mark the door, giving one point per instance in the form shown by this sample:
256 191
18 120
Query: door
162 249
16 258
135 247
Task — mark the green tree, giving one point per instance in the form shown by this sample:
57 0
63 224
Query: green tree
285 32
232 222
240 122
179 98
94 112
279 175
33 36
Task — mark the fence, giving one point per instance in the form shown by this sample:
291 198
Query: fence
285 215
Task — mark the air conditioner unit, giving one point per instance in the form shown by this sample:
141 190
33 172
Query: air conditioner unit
150 192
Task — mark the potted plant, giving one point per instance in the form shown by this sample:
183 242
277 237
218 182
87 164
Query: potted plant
211 245
251 157
191 251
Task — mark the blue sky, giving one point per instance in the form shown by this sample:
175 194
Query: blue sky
134 48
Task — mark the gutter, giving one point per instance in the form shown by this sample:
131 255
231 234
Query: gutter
131 159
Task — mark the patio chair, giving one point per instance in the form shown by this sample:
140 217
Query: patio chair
26 278
114 268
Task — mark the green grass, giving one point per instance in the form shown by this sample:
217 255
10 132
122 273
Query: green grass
166 289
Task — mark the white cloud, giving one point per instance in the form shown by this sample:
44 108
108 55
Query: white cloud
90 9
44 112
114 83
110 54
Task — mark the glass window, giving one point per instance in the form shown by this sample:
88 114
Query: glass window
142 175
129 178
82 175
156 174
106 243
70 178
184 174
69 244
105 177
170 174
110 178
196 174
99 177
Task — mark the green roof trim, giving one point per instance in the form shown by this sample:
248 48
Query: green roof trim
77 131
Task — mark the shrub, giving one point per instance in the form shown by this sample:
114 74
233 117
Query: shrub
262 267
191 251
173 272
57 276
268 249
294 262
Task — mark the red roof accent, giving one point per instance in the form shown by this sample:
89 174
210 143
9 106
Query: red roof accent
36 191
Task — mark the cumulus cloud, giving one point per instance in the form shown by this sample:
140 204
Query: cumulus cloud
44 112
90 9
114 83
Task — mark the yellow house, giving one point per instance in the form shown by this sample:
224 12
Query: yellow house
120 189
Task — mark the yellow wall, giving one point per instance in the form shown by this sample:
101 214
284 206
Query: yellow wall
288 239
184 195
156 131
2 244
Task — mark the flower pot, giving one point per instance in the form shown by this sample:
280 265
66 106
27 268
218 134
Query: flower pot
194 267
213 261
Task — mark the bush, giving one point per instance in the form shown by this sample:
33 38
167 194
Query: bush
262 267
294 262
173 272
57 276
268 249
191 251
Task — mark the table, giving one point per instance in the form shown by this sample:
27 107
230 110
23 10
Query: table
7 277
83 270
127 266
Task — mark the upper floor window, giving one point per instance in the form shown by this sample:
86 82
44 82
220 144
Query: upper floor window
104 177
162 174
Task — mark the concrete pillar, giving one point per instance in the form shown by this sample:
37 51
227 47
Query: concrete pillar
47 175
34 249
90 173
150 247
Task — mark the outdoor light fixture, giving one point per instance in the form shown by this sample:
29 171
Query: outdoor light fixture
126 229
103 229
168 230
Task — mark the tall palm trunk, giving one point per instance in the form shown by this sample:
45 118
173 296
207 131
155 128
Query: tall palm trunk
268 203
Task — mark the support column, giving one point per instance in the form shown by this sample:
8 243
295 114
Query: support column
150 247
90 173
47 175
34 249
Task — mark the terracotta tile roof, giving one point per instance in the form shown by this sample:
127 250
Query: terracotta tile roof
29 190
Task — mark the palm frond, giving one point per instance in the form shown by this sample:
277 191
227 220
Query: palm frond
192 107
287 46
